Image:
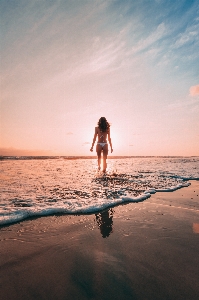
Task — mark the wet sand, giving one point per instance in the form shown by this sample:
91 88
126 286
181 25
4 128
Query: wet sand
146 250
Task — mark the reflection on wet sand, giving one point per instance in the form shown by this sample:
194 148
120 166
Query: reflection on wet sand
105 222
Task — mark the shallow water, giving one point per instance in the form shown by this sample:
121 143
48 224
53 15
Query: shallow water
34 187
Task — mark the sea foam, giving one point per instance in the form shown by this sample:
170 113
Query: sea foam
38 187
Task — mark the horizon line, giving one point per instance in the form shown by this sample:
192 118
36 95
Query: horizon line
87 156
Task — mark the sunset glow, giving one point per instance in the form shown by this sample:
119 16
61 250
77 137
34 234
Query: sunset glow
65 64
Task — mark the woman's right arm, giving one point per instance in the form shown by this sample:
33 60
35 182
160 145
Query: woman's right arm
94 139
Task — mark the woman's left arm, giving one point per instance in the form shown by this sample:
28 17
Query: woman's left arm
94 139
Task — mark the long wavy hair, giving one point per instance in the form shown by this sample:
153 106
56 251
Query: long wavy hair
103 124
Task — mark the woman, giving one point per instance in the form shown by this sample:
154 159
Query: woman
102 131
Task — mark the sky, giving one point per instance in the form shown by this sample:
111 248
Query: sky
66 63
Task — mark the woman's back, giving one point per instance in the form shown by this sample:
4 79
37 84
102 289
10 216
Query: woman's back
102 136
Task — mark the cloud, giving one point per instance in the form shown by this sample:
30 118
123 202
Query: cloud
155 36
131 145
186 104
108 54
69 133
85 143
194 90
24 152
190 35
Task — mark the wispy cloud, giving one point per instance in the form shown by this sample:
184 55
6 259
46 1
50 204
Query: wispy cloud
184 105
190 35
23 152
155 36
107 56
85 143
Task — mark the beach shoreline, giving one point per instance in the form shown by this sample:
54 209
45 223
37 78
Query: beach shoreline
145 250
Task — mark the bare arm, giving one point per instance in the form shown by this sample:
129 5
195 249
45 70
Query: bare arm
109 139
94 139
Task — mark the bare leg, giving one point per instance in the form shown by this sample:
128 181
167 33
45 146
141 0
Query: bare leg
99 162
99 151
104 164
105 153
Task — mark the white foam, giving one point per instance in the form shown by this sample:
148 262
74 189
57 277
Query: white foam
31 188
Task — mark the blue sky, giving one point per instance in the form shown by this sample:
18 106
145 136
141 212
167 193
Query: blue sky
64 64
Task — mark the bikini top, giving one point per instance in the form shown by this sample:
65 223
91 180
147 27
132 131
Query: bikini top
101 137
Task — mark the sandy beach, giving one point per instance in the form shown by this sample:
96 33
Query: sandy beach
146 250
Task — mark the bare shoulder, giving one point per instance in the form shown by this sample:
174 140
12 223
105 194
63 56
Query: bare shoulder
96 129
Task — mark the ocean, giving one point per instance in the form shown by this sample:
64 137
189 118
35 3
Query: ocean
38 186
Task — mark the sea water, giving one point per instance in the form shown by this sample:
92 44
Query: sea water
39 186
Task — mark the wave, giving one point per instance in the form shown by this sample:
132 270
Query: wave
39 187
77 209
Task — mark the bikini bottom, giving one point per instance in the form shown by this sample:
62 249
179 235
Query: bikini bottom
102 144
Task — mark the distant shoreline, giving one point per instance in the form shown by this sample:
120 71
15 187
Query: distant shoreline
29 157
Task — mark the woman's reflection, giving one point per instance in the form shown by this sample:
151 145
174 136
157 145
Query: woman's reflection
105 222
